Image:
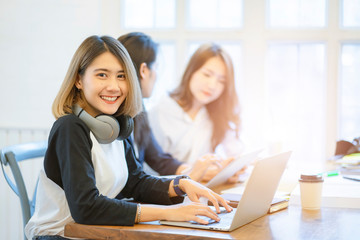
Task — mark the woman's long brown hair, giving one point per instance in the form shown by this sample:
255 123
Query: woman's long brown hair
224 112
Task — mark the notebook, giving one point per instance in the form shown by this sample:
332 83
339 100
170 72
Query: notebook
236 165
256 199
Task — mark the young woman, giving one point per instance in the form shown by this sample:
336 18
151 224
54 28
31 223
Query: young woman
143 52
202 114
87 166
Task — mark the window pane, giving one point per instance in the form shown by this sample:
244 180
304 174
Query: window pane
165 13
297 13
166 73
350 13
151 14
136 17
349 92
296 100
217 14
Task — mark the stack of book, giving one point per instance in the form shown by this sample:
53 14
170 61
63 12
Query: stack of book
277 204
349 165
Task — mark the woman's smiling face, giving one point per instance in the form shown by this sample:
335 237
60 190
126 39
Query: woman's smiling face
104 85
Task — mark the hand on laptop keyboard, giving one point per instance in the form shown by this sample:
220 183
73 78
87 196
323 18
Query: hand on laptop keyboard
223 211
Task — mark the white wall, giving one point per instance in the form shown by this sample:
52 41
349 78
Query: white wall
37 41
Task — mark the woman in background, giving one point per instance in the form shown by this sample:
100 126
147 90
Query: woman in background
202 114
143 52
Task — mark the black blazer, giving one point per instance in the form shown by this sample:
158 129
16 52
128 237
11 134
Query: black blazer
154 156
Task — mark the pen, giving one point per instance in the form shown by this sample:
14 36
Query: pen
352 178
330 174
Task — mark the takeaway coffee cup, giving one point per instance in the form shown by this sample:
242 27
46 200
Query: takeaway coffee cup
310 191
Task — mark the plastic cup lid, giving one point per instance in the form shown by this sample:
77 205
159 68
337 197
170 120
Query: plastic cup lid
311 178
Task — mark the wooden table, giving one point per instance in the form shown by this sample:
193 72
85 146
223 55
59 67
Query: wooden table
291 223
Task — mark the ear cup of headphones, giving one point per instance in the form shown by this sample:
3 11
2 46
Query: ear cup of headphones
104 127
126 125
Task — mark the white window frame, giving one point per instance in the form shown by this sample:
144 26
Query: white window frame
254 37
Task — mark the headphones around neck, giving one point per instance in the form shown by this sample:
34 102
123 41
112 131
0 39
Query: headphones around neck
106 128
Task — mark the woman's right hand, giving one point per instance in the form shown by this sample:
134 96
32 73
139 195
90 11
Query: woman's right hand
202 166
212 171
189 212
208 166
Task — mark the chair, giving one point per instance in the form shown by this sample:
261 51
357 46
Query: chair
11 156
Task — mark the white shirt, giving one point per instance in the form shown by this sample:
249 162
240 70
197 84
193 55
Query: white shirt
187 139
52 212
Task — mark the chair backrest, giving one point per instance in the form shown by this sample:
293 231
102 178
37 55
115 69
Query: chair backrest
11 156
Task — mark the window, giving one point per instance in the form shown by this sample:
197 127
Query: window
349 84
350 15
296 97
296 69
297 13
221 14
151 14
349 89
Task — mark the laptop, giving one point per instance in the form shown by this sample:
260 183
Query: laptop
234 166
254 202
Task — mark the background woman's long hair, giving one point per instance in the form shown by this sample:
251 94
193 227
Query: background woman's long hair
142 49
224 112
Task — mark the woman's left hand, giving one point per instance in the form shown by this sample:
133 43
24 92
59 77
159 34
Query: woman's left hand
235 177
195 190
